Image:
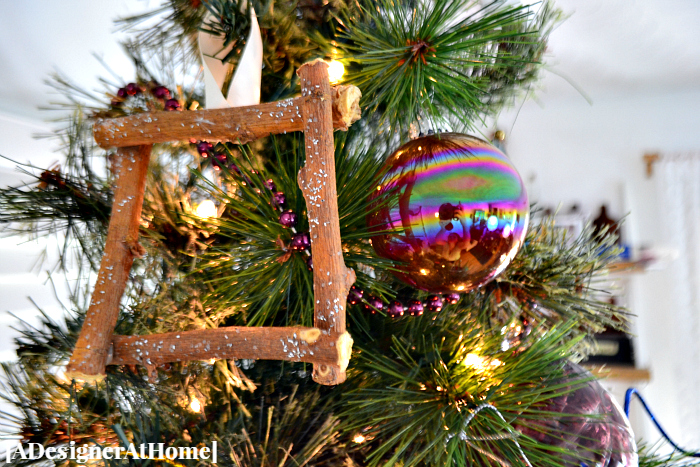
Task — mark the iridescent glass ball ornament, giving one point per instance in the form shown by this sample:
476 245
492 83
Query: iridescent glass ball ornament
451 210
588 423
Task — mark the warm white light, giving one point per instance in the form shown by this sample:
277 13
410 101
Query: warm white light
475 361
481 363
195 405
424 272
336 70
206 209
359 438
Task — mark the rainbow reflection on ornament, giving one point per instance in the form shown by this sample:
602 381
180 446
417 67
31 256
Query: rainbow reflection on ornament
456 209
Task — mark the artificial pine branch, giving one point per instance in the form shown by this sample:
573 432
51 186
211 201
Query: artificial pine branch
54 411
429 60
655 456
554 278
411 401
172 25
256 267
296 429
70 200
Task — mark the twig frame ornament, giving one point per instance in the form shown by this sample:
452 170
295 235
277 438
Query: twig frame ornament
320 109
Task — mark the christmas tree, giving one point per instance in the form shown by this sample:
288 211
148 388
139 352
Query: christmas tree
457 343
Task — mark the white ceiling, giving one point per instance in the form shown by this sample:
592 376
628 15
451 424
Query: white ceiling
627 46
607 47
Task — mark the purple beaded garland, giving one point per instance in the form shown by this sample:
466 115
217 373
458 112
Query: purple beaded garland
396 309
374 304
133 89
452 298
434 303
270 185
161 92
219 160
300 241
355 295
172 104
415 308
204 148
279 199
288 219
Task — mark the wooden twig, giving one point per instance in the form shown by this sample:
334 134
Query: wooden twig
242 124
296 344
91 350
332 279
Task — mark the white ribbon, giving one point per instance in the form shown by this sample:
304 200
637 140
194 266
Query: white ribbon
245 85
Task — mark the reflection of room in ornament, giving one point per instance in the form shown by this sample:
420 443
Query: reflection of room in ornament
461 213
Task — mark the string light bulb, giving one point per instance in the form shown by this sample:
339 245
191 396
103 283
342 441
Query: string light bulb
481 363
336 70
206 209
195 405
359 438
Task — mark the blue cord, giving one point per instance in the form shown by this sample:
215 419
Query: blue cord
628 398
